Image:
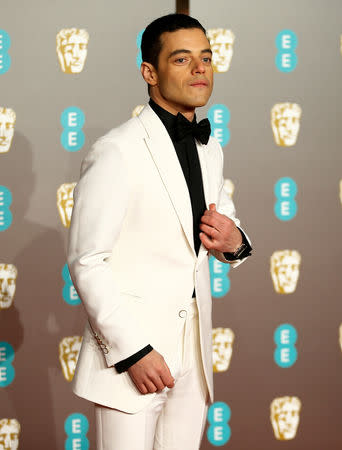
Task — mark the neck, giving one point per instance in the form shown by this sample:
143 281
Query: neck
173 108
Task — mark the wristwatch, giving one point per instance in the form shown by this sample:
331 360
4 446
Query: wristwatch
243 251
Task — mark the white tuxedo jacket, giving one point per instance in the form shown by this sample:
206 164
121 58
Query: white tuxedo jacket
131 254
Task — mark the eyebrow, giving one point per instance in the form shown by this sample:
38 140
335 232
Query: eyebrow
183 50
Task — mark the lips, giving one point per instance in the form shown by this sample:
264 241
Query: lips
200 83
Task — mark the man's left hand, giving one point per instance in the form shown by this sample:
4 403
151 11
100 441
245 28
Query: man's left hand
219 232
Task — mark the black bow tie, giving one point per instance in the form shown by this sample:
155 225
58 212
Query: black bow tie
200 130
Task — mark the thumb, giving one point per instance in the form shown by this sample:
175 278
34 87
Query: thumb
212 207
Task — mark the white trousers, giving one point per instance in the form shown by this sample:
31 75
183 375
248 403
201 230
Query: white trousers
175 418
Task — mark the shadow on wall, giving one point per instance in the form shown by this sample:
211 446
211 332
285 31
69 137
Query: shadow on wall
38 397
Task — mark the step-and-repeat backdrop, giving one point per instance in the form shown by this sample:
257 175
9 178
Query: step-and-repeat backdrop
68 74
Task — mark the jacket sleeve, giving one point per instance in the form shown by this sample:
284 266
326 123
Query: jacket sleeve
225 205
125 364
100 203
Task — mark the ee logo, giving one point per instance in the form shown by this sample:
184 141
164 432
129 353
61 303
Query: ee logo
219 281
219 431
72 120
139 56
285 337
5 213
286 58
7 371
219 117
76 427
285 191
70 295
5 59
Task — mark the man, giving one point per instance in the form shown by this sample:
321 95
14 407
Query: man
148 209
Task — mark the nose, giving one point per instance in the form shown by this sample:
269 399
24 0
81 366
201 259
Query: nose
199 66
76 51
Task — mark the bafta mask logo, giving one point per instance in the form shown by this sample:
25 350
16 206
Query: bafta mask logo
65 202
228 186
223 339
7 121
69 348
285 413
71 49
9 434
285 122
221 43
8 276
285 266
137 110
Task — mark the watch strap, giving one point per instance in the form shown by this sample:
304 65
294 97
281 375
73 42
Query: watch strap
242 252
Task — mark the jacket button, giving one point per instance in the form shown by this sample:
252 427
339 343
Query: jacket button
182 313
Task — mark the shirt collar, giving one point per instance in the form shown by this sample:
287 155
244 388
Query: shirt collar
166 117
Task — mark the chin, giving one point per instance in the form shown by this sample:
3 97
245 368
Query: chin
198 102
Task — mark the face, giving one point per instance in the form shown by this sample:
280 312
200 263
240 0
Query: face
8 275
69 349
222 46
229 187
184 78
222 348
72 49
288 274
286 123
285 271
288 126
75 52
9 435
65 202
287 420
6 130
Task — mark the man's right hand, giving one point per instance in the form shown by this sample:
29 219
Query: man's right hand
151 373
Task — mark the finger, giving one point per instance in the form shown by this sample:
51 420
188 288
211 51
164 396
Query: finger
137 381
207 219
213 224
207 242
167 377
158 382
212 207
151 387
210 231
168 380
142 388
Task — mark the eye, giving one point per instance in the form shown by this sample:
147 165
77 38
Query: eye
180 60
207 59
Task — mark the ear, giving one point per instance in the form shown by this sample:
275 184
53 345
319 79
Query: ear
149 73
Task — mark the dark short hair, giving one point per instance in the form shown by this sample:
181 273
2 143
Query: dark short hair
150 42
